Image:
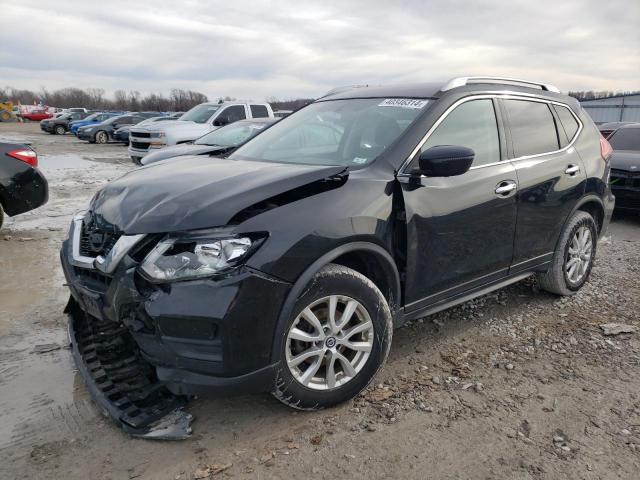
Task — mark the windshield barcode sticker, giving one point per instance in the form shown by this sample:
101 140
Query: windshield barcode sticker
403 102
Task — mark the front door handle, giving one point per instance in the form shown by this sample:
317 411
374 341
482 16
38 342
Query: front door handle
572 169
505 188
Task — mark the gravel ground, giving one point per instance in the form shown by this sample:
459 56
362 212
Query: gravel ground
518 384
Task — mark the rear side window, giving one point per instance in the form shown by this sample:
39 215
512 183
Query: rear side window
472 125
568 125
259 111
533 129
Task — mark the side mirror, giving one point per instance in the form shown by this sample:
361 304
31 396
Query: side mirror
445 161
220 122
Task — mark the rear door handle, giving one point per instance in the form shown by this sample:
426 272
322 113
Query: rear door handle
572 169
505 187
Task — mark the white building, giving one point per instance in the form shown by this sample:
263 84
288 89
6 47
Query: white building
617 108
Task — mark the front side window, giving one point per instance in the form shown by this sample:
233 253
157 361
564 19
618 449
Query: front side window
259 111
350 132
200 113
473 125
231 114
533 129
625 139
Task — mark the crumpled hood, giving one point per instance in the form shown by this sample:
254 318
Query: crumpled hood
191 194
626 160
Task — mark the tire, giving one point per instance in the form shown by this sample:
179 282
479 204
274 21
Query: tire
370 323
102 137
570 271
1 215
60 130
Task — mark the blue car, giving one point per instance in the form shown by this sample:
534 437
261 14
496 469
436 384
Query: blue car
98 117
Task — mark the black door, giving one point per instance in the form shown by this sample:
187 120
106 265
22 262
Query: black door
460 230
551 177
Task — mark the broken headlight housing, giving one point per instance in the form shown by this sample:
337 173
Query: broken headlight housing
174 259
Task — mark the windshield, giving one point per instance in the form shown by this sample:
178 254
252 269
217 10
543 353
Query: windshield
232 135
625 139
200 113
337 132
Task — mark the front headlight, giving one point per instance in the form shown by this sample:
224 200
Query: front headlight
157 135
182 259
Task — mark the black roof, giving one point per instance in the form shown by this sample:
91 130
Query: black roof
410 90
629 126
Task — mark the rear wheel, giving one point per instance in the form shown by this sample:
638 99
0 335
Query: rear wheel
102 137
336 341
574 256
60 130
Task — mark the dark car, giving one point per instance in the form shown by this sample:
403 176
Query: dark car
218 142
285 266
60 125
104 132
606 129
22 185
625 167
122 133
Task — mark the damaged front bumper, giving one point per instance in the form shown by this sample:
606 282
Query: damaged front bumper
123 385
167 342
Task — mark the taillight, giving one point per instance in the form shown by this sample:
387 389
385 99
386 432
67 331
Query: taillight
26 156
605 149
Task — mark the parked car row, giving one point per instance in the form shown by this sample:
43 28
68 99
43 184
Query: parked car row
74 119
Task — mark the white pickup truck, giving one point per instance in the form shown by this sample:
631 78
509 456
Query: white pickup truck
193 124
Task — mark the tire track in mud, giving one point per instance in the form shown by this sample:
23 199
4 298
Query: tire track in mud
40 401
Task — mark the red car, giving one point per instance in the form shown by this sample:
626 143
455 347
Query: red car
36 115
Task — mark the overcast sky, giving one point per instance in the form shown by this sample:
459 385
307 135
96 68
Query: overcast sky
288 49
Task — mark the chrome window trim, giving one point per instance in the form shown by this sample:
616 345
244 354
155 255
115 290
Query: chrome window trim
508 95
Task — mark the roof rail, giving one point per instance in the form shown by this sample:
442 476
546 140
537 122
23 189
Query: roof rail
462 81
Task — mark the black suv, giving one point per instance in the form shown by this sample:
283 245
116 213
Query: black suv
285 266
60 125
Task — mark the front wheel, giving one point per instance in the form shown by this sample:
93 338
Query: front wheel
574 256
336 341
102 137
60 130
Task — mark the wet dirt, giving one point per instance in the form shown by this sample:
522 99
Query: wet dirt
517 384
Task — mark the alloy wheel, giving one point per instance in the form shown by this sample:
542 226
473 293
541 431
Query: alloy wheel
579 256
329 342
